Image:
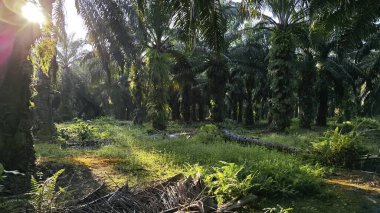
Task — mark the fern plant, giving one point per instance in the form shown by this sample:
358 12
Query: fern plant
278 209
339 149
226 182
44 195
208 133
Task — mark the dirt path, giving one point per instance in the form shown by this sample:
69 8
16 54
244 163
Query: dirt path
363 184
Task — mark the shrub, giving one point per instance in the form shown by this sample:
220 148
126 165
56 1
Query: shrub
346 127
208 133
82 131
336 148
360 125
278 209
367 123
225 182
44 195
287 179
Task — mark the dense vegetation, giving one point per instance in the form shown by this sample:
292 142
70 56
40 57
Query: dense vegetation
162 78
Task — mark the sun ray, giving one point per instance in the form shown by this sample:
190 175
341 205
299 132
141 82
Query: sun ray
33 13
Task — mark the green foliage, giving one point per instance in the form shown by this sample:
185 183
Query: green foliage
82 131
346 127
281 73
366 129
307 94
136 78
367 123
44 52
315 170
278 209
158 65
225 182
287 179
13 205
217 75
208 133
276 175
336 148
361 125
231 181
44 195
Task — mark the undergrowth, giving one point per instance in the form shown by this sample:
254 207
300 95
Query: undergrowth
144 159
225 182
81 131
336 148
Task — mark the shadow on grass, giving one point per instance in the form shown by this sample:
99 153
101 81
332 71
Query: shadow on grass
77 179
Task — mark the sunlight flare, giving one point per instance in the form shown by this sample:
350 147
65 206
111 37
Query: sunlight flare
33 13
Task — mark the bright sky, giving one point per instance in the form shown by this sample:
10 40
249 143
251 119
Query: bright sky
74 23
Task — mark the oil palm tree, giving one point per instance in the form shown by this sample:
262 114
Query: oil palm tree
286 16
206 21
69 53
250 59
16 144
343 27
141 25
44 59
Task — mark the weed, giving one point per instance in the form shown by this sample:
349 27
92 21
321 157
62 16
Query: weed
81 131
336 148
143 159
44 195
225 182
208 133
278 209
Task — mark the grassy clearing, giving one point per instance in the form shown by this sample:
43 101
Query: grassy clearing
368 128
140 156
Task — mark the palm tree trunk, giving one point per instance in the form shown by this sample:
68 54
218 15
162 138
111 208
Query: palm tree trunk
159 71
186 104
138 94
16 144
323 93
175 106
194 112
217 76
43 101
307 93
65 109
201 112
240 112
281 57
44 125
234 107
249 109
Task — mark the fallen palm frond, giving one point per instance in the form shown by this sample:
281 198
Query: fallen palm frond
178 194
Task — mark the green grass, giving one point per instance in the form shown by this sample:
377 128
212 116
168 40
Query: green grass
294 136
369 128
143 158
